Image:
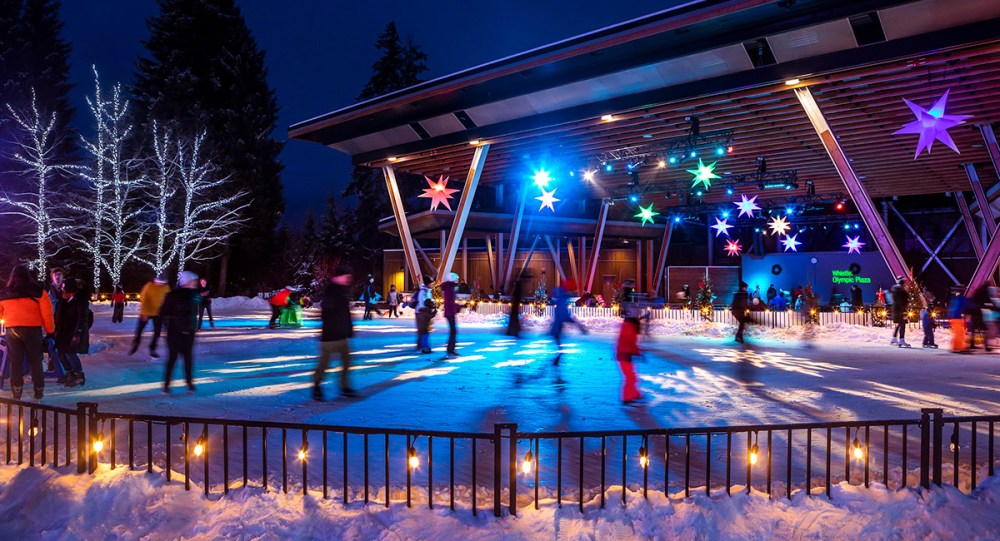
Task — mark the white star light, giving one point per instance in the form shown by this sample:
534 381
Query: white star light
721 227
932 124
790 243
747 206
854 245
547 199
779 226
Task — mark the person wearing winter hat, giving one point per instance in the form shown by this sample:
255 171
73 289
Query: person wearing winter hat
27 312
336 332
423 304
900 303
150 300
451 309
180 315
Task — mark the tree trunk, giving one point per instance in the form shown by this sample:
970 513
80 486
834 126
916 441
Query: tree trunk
223 270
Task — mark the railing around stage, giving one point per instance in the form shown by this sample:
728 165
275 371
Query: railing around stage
505 467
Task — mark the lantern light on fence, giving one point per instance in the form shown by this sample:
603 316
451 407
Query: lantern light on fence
859 453
302 453
643 457
199 446
413 461
526 465
33 431
99 442
754 454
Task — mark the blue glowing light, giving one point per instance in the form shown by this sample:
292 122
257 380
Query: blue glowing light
677 219
720 151
725 214
847 226
693 154
609 167
789 211
856 226
542 178
633 198
729 191
672 160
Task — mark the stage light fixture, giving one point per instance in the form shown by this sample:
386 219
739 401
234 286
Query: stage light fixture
847 226
609 167
607 118
725 214
839 205
661 164
730 149
672 160
677 219
588 175
633 198
393 158
693 154
792 82
857 226
729 191
542 178
720 151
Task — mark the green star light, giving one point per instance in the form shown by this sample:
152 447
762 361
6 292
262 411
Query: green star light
703 174
646 213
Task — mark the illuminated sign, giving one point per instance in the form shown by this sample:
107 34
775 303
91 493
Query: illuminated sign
846 277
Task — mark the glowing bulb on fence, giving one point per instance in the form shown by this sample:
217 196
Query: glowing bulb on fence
643 457
302 453
859 453
754 454
413 461
33 431
99 443
199 446
526 465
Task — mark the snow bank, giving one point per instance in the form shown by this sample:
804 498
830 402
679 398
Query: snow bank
119 504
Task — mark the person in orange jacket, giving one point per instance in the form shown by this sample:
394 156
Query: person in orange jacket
27 311
278 302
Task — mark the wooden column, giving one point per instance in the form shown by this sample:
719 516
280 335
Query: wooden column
465 260
463 209
556 260
602 220
661 261
649 268
970 224
572 261
409 252
489 259
515 232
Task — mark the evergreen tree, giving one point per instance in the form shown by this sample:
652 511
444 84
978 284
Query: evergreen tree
331 240
205 72
400 66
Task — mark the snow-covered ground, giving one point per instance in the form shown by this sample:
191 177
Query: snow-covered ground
692 373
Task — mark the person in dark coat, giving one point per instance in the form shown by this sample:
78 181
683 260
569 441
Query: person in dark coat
72 337
27 313
771 294
180 317
561 315
514 321
206 304
979 301
900 302
741 301
369 295
337 330
857 300
451 308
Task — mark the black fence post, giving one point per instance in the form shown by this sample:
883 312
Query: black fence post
81 437
512 432
497 456
925 448
938 428
92 429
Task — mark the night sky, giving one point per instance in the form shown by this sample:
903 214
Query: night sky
319 56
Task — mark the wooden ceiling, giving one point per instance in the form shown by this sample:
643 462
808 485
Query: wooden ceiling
863 106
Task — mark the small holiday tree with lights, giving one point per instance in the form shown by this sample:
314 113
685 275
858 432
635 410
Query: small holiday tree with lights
704 297
541 296
916 301
475 296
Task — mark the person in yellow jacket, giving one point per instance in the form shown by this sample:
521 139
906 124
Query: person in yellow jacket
27 311
150 300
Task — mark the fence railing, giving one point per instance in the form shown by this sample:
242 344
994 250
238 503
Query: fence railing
505 467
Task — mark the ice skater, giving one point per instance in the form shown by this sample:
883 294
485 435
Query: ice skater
278 303
900 301
739 309
393 298
451 309
423 304
928 324
562 317
957 309
180 316
118 303
27 312
514 319
336 332
150 300
206 304
626 351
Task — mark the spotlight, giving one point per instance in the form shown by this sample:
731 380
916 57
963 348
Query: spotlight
609 167
588 175
847 226
661 164
720 151
698 193
856 226
693 154
677 219
839 205
630 166
672 160
730 149
789 211
607 118
729 191
725 214
542 178
633 198
393 158
475 142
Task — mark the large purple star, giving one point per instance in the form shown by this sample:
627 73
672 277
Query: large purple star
932 124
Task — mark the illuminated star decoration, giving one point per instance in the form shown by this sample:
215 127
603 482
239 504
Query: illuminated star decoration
547 199
932 124
790 243
646 213
779 226
721 227
542 179
439 193
854 245
733 247
703 174
747 206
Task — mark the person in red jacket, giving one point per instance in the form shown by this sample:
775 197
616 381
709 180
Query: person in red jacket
27 311
627 349
118 301
278 302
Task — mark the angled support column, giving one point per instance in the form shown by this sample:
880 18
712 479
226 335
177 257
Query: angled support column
876 226
661 261
500 262
649 268
977 189
462 211
970 224
493 266
527 260
515 231
404 227
991 146
423 255
582 243
923 243
595 252
987 265
572 260
555 257
940 246
465 260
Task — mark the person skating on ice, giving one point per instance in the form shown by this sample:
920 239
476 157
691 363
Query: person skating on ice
393 299
206 304
561 316
740 306
150 300
72 336
423 304
278 303
118 303
180 317
448 290
336 331
900 302
369 295
26 311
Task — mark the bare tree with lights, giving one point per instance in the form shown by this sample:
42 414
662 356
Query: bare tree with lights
35 154
161 188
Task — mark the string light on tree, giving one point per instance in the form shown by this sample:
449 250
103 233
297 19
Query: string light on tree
703 174
790 243
646 214
438 192
854 245
721 227
747 206
547 199
932 124
779 225
733 247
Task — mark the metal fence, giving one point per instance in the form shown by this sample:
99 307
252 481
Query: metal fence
505 468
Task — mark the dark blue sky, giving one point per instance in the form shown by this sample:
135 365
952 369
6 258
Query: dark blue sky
319 55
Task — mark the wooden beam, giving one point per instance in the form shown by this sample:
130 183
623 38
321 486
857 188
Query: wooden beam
970 224
515 232
572 260
462 211
500 260
649 268
555 257
409 253
977 189
465 259
987 265
423 255
602 220
661 261
489 259
524 266
866 207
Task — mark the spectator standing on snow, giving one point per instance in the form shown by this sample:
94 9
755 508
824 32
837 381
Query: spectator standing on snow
337 330
206 304
451 308
180 316
561 315
393 299
779 302
771 294
370 296
27 312
118 303
55 291
857 300
739 308
900 301
150 300
423 303
72 336
278 302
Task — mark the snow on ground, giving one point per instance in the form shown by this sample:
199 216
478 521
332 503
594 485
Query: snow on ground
42 503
